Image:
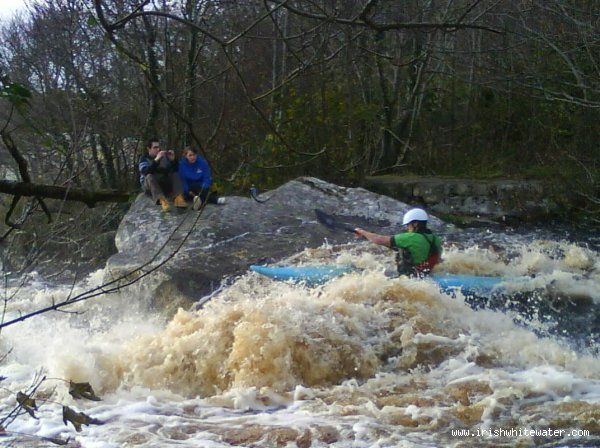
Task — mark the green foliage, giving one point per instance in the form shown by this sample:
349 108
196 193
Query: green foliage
92 21
329 122
17 94
488 134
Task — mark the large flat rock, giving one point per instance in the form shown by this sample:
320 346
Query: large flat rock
197 252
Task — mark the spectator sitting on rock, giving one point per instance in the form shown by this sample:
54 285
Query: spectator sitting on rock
196 179
158 176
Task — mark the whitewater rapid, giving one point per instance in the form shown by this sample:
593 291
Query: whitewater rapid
362 361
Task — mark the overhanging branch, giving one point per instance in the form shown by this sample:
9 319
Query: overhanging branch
88 197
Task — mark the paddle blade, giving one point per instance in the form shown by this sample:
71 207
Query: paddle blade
325 219
330 222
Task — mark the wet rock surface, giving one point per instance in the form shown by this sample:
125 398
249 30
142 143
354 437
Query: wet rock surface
501 200
203 251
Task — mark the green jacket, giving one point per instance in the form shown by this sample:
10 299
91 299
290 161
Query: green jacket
418 244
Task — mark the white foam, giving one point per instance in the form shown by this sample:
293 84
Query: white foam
278 355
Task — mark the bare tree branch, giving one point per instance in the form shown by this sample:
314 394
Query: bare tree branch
364 21
88 197
127 279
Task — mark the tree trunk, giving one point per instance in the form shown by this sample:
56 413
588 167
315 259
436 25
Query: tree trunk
88 197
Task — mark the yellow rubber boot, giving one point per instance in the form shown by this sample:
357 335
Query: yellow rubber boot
180 201
164 203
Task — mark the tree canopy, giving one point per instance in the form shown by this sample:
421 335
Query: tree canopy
270 90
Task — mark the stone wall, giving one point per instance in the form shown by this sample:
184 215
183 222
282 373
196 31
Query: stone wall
500 200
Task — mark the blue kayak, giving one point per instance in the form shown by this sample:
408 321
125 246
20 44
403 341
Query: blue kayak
311 275
316 275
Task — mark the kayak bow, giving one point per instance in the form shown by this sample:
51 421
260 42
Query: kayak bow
316 275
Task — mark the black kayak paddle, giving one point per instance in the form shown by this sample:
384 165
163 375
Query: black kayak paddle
330 222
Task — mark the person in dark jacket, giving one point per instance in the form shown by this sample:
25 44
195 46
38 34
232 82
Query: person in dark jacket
418 249
158 175
196 179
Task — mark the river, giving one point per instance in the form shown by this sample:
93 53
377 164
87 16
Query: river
362 361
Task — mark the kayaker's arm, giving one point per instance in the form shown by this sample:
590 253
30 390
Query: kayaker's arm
382 240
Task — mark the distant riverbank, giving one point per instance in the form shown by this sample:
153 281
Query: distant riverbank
499 200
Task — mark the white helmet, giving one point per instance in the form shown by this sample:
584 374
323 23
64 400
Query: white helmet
415 214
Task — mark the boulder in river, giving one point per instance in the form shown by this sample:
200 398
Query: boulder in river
198 252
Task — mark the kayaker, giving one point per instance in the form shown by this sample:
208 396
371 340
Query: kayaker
418 249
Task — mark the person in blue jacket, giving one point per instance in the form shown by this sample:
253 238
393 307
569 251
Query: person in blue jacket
196 179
